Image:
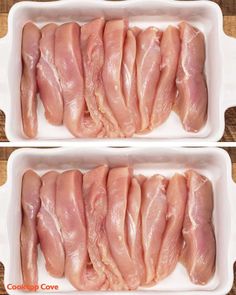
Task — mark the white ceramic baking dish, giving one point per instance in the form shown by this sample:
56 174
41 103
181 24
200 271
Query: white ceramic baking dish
206 15
212 162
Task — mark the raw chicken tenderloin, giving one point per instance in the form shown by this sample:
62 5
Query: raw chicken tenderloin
148 63
28 88
199 249
129 76
133 223
191 103
141 179
114 35
71 216
153 212
47 77
95 199
93 59
30 203
172 240
166 90
68 61
117 188
48 227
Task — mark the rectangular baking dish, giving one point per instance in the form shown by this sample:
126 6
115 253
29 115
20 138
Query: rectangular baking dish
220 65
212 162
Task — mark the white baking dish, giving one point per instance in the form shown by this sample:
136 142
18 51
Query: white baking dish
212 162
206 15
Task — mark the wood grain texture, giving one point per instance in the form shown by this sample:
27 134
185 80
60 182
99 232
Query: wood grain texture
229 9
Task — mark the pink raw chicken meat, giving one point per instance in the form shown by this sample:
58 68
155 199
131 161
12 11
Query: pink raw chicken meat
166 90
30 203
129 76
134 231
70 212
47 77
95 198
114 35
199 249
69 65
154 209
93 59
48 227
28 89
117 188
148 62
141 179
192 100
172 239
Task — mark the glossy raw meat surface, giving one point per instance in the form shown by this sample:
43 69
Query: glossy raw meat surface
129 76
199 249
108 229
192 100
47 77
114 36
93 59
106 79
71 215
134 230
95 199
48 227
28 88
117 188
69 65
166 89
172 239
154 209
30 203
148 71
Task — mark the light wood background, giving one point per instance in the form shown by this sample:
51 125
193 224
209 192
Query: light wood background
229 10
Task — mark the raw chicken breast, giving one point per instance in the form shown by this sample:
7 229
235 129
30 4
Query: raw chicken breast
148 71
199 249
95 199
47 77
48 227
129 76
141 179
70 212
192 100
166 90
114 35
117 188
69 65
134 231
30 204
93 59
28 88
172 238
153 212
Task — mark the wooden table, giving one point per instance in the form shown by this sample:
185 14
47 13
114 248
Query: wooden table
4 155
229 10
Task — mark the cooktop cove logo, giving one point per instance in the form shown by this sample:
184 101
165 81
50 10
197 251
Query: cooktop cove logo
32 288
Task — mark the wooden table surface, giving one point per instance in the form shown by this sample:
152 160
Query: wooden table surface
229 10
4 155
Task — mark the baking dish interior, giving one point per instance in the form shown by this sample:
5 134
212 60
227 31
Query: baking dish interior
213 163
205 15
